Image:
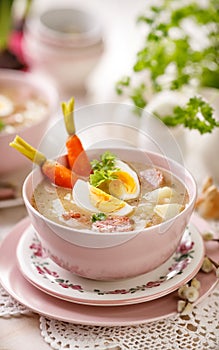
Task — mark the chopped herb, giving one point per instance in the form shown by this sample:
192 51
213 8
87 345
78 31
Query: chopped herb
100 176
98 217
106 162
103 169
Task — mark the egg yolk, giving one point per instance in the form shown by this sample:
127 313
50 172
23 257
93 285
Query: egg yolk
127 180
104 201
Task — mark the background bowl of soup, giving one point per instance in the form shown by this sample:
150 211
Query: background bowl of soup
104 255
27 102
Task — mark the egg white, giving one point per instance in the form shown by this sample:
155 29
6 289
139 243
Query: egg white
82 197
130 180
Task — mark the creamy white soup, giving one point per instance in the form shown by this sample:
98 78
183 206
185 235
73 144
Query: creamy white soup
20 107
140 196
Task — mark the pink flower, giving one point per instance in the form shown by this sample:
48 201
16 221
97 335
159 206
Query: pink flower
64 285
35 246
184 248
179 266
118 291
152 284
76 287
52 273
38 250
40 270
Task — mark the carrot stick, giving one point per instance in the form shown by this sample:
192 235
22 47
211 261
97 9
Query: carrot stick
54 171
77 157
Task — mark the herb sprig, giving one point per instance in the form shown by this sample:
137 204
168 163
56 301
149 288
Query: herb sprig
196 114
98 217
171 52
103 169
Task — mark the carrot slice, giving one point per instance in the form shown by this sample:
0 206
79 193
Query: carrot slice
53 170
77 157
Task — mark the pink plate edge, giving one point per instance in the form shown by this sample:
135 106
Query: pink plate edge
50 307
119 302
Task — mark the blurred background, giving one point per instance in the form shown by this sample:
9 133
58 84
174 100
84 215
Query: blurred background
121 39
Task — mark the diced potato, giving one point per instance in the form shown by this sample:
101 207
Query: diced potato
160 195
167 211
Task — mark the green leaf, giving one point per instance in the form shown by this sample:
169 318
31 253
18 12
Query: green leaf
161 51
196 114
98 217
103 169
107 161
102 175
121 84
138 96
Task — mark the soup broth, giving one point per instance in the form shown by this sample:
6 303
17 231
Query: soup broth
20 107
161 197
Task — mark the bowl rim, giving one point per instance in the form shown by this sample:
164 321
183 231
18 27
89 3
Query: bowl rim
38 28
190 204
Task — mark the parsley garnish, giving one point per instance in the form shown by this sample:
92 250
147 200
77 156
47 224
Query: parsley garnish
103 169
98 217
106 162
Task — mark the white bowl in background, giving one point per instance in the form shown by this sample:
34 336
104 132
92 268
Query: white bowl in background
65 43
10 159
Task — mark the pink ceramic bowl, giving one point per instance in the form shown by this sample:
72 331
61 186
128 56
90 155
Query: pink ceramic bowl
110 256
11 160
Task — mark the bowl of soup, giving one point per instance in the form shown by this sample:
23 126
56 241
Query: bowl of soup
27 102
114 229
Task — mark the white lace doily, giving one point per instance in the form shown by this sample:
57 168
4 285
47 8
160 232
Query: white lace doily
9 306
199 330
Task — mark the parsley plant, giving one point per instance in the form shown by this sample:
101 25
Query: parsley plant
170 50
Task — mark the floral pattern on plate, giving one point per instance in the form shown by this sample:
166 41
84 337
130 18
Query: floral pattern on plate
52 279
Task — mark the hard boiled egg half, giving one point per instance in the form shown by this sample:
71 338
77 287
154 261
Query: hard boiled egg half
126 186
94 199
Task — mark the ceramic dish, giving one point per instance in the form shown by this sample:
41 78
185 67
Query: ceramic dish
9 203
106 256
24 292
69 43
15 180
46 275
32 100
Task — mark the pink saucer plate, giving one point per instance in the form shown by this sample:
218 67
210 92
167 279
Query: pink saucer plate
36 300
46 275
